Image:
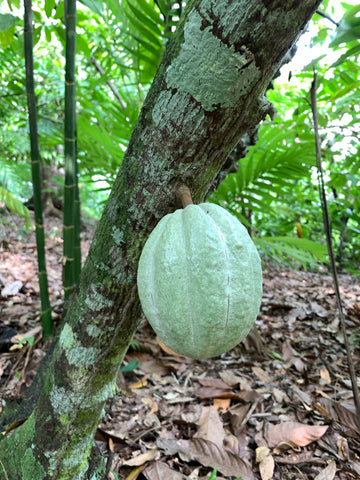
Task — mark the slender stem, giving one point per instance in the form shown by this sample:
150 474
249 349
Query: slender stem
35 171
183 194
70 188
109 82
327 228
77 227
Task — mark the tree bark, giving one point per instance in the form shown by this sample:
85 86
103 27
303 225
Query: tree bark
207 92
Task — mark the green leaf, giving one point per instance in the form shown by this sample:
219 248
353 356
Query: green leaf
29 340
96 6
131 366
350 53
163 7
49 6
15 205
59 11
213 474
82 45
6 37
37 34
277 355
301 250
344 91
7 21
150 13
14 3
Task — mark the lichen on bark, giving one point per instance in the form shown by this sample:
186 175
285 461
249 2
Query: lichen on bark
213 73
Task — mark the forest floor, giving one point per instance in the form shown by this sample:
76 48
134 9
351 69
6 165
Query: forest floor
279 406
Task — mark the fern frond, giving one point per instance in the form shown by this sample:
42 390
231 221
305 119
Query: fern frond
15 205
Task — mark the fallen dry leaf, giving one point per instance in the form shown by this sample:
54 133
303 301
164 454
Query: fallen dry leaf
343 447
167 349
325 378
261 374
230 377
237 417
208 454
160 471
141 459
266 463
211 426
12 288
291 356
140 383
338 412
221 404
294 434
328 473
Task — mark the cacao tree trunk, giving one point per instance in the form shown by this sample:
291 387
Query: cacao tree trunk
207 92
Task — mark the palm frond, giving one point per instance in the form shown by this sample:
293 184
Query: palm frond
270 168
289 249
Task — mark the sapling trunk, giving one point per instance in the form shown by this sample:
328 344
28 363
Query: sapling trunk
45 312
71 259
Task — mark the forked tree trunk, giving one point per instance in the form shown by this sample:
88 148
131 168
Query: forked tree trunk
208 92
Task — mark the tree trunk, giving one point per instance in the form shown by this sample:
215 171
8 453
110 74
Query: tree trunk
208 92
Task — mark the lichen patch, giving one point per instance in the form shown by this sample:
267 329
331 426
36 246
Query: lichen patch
212 72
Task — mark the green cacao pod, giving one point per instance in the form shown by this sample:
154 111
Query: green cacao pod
200 281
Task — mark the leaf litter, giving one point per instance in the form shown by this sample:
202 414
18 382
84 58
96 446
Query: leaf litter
277 407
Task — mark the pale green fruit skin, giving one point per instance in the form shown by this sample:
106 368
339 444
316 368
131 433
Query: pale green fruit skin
200 281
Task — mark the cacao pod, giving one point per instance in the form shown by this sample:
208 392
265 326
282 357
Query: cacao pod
200 281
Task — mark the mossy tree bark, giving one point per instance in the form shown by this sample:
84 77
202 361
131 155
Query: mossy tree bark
207 93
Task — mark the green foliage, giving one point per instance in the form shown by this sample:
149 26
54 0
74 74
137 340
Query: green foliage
275 187
131 366
15 206
269 170
287 249
13 182
258 193
7 29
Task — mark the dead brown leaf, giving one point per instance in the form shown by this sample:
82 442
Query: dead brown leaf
338 412
221 404
237 417
325 378
142 458
293 434
140 383
208 454
291 356
266 463
211 426
328 473
261 374
160 471
230 377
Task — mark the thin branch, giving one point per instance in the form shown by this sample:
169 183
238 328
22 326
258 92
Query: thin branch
109 83
327 227
327 18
